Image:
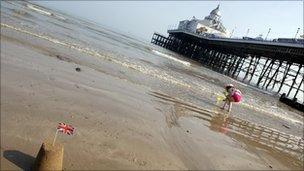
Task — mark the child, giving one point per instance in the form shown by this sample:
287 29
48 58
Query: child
232 95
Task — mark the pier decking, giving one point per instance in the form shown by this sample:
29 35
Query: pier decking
272 66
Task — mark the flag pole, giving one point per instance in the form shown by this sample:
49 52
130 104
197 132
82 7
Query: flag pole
55 137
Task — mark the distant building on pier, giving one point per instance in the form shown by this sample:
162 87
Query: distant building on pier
211 25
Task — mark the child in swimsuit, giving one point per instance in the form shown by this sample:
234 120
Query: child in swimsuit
232 95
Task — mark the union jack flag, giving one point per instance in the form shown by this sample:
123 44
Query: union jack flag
64 128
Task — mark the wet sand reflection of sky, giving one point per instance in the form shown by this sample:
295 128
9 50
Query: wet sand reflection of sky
287 148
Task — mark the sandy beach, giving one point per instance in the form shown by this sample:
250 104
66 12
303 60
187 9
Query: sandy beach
132 109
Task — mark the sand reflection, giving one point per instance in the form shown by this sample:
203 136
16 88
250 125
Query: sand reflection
286 148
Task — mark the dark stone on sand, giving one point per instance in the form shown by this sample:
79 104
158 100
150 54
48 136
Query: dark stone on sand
78 69
286 126
270 166
188 131
63 58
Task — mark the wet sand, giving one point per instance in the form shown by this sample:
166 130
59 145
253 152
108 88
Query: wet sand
120 124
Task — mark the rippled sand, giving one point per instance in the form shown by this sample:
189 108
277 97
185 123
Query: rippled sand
132 108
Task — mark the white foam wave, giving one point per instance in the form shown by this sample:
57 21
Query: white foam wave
41 11
32 7
171 57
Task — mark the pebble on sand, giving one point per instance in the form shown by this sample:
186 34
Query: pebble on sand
78 69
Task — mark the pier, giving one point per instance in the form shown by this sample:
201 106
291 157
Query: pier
272 66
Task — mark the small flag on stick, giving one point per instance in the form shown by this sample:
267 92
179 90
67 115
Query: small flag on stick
64 128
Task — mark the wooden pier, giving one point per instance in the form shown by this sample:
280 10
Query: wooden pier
272 66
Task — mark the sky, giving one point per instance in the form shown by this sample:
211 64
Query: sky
142 18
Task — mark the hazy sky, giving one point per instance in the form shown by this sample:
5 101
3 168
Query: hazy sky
142 18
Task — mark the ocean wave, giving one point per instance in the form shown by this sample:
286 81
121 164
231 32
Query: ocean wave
43 11
170 57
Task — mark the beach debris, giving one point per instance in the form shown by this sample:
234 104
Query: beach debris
59 57
270 166
62 58
77 69
286 126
